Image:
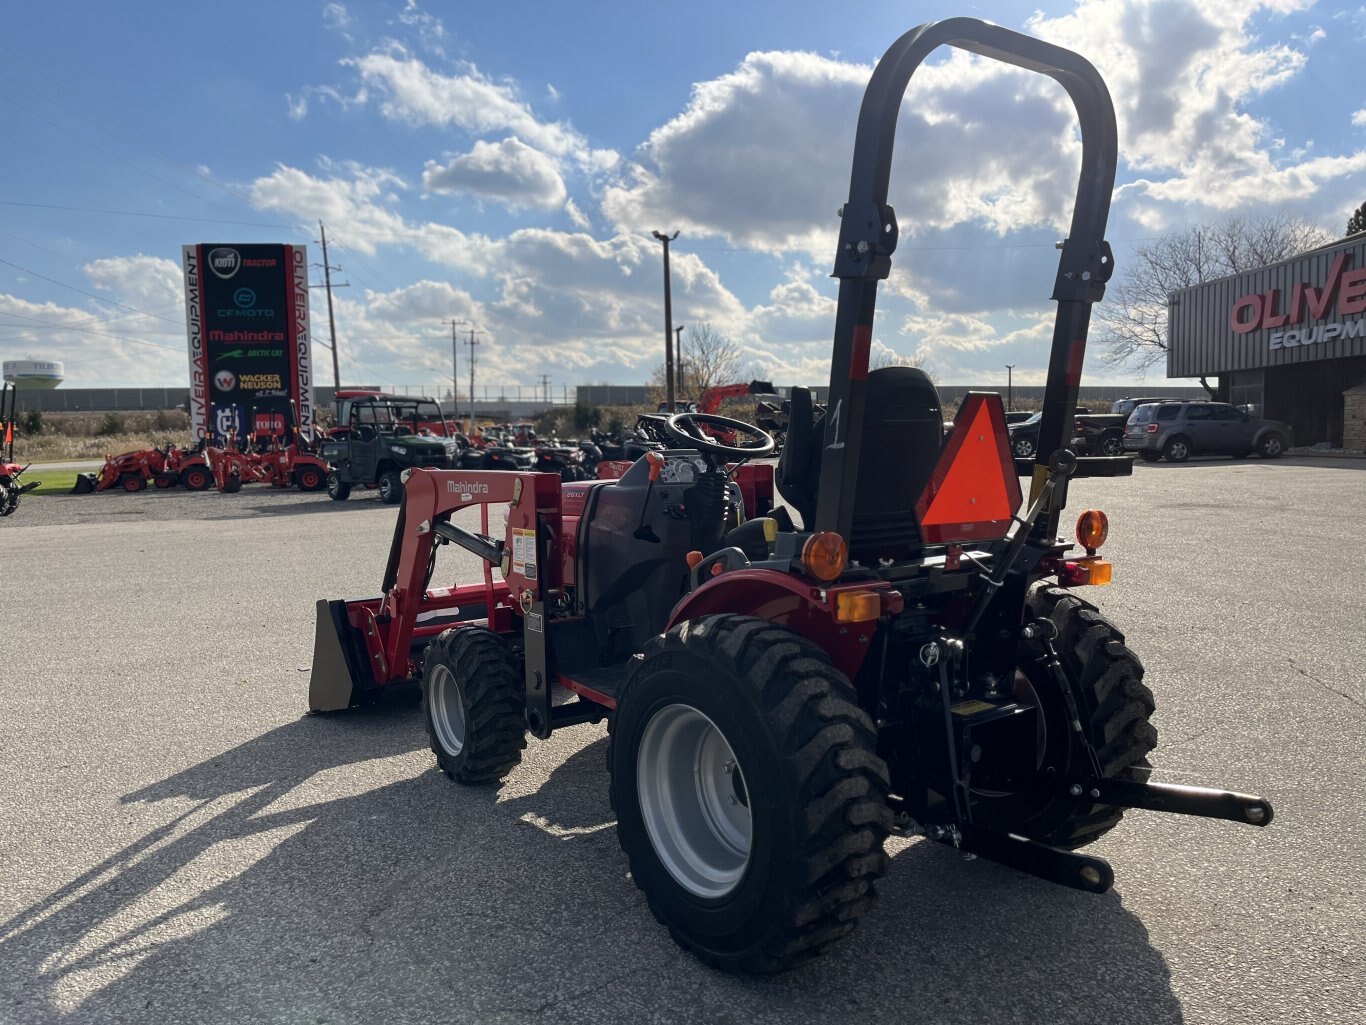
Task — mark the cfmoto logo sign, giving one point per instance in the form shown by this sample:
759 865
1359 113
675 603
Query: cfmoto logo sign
224 380
224 262
245 298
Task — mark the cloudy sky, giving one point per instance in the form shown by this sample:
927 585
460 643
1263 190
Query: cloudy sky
504 165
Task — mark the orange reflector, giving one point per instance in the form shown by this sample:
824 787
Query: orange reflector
1080 572
1093 527
857 606
824 555
974 491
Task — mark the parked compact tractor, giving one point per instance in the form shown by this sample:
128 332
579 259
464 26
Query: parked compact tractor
158 467
381 442
907 650
11 486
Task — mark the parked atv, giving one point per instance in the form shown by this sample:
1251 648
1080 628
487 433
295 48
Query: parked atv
382 441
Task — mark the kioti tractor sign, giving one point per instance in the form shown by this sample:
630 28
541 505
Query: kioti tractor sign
246 310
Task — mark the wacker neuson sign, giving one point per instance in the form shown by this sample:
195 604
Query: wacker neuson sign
1306 309
246 310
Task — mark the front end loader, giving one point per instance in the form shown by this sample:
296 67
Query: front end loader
902 646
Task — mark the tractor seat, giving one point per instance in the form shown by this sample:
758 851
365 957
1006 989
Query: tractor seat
903 431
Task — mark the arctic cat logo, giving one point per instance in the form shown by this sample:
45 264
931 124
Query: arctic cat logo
224 262
465 490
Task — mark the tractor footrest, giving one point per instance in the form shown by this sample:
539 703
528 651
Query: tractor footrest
1087 466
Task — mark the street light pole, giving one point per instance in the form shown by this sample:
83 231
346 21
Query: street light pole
455 368
678 362
473 343
668 325
1010 386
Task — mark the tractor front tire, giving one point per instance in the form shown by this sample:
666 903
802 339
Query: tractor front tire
390 487
337 489
473 705
1115 707
196 478
310 478
750 799
132 482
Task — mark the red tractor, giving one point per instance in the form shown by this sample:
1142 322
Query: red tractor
160 467
905 651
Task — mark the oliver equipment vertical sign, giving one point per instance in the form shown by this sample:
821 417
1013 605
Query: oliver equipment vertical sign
246 308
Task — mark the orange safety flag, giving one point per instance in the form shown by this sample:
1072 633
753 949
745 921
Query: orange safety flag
9 432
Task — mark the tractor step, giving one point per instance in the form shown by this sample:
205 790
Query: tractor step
1087 466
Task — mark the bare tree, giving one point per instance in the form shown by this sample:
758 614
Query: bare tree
885 357
706 358
1132 321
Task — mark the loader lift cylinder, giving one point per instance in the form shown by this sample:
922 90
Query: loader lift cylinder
868 237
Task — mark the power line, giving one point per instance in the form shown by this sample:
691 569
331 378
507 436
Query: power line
92 295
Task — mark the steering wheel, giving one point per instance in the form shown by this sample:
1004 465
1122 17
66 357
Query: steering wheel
686 431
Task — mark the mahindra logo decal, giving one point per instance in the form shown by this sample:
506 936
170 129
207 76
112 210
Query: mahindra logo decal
224 262
466 490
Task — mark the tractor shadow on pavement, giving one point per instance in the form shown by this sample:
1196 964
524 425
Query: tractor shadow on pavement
326 872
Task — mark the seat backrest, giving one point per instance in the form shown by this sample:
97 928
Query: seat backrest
903 431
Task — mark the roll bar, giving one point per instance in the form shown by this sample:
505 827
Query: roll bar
868 237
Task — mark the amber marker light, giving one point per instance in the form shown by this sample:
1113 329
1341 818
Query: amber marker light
857 606
824 555
1093 527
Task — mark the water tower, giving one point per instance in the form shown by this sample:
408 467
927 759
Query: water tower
33 374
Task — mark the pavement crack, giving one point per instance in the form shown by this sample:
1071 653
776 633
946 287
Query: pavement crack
1325 685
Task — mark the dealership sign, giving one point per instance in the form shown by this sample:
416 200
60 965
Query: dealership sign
246 310
1342 295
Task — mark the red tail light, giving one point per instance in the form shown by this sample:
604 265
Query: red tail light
1152 428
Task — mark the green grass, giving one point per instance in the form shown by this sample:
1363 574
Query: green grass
55 482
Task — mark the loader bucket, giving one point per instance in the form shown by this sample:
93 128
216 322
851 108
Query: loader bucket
340 676
85 484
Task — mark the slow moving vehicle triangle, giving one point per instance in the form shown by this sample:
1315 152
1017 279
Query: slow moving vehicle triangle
973 492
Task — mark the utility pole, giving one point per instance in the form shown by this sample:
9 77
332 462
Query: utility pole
1010 386
679 364
455 368
331 320
545 387
473 343
668 325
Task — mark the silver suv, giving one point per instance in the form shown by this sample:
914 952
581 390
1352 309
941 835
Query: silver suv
1178 430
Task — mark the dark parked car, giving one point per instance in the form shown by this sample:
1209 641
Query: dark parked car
1093 434
1127 405
1178 430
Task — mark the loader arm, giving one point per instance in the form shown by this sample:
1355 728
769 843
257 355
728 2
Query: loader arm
363 646
868 237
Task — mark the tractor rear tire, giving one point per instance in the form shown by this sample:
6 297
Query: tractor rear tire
719 709
390 486
1115 707
473 705
337 489
196 478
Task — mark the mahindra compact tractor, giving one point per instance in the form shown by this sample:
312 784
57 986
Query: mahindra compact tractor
11 486
908 649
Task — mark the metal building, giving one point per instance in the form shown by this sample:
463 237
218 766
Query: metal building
1286 340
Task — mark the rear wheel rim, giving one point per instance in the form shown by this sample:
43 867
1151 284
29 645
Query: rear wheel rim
1272 446
447 709
1177 449
1024 448
694 801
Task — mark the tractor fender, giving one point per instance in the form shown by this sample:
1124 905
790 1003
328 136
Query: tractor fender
785 599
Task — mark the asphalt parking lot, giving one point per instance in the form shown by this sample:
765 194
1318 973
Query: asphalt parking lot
180 843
